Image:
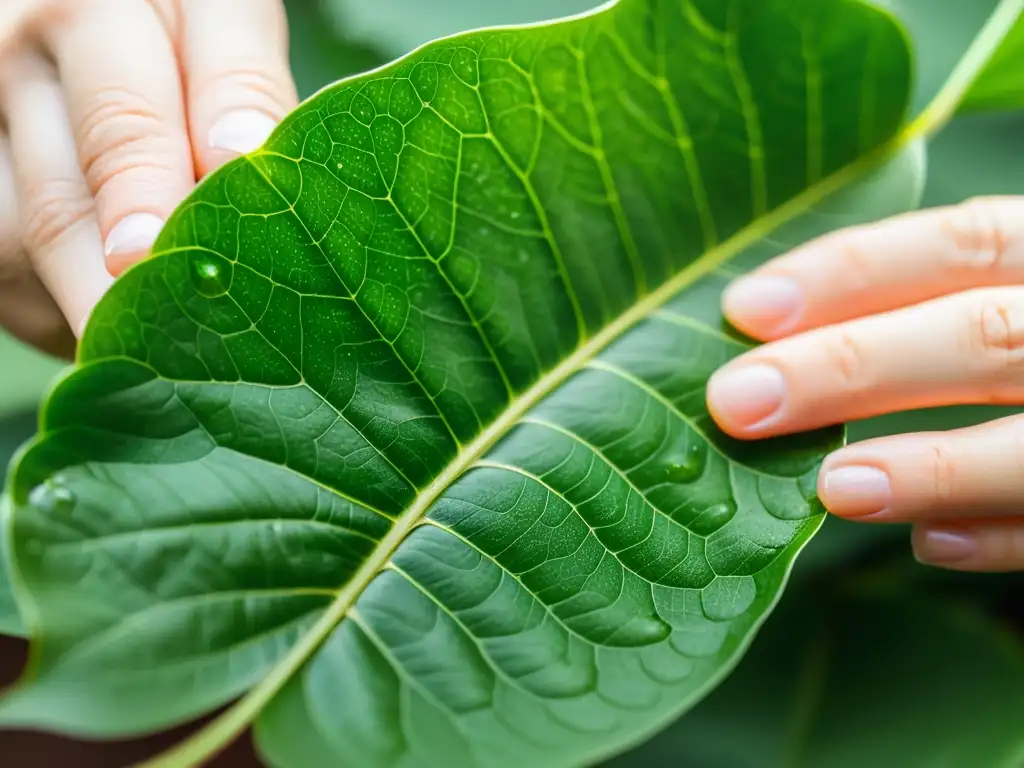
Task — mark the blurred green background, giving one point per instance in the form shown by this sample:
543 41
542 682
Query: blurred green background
871 659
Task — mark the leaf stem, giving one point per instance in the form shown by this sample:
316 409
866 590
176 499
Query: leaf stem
943 107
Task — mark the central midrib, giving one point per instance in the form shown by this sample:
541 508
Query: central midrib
232 722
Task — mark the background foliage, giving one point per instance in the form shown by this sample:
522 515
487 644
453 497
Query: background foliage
871 659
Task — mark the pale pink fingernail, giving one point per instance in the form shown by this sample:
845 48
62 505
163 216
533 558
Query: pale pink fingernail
936 546
766 304
242 132
747 395
130 240
856 491
136 232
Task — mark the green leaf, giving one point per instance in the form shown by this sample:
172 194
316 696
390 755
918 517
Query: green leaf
847 682
401 433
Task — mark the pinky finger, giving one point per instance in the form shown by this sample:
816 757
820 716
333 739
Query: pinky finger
992 546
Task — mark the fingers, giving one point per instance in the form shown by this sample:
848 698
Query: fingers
963 489
59 228
931 476
882 266
239 80
26 309
966 348
122 85
990 546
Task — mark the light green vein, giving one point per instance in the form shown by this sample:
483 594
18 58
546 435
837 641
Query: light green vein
608 179
751 113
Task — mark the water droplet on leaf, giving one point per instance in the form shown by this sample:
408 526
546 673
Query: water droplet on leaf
211 275
714 517
687 466
648 630
52 498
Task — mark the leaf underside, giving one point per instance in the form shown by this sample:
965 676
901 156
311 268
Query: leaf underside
410 402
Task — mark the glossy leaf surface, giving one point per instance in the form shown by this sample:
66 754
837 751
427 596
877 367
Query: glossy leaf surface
402 429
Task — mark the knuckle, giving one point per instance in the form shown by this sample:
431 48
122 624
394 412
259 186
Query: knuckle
943 474
1017 446
977 233
122 131
251 81
51 210
997 331
846 358
856 264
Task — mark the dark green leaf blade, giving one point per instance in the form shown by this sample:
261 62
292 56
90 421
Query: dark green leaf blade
423 379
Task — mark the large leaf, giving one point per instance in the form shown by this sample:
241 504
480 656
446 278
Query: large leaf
859 680
402 429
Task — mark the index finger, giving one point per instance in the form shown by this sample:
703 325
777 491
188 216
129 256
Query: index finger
883 266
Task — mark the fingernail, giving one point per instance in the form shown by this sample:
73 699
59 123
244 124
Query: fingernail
133 233
747 395
766 303
243 131
938 547
856 491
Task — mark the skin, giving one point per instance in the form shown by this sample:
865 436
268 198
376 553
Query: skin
100 142
917 311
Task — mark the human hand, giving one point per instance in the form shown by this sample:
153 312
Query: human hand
921 310
112 110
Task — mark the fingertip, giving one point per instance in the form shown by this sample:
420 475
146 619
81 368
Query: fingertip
944 547
131 241
746 399
764 306
237 132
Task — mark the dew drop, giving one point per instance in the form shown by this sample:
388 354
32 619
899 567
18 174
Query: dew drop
713 518
687 466
53 498
211 275
648 630
277 527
